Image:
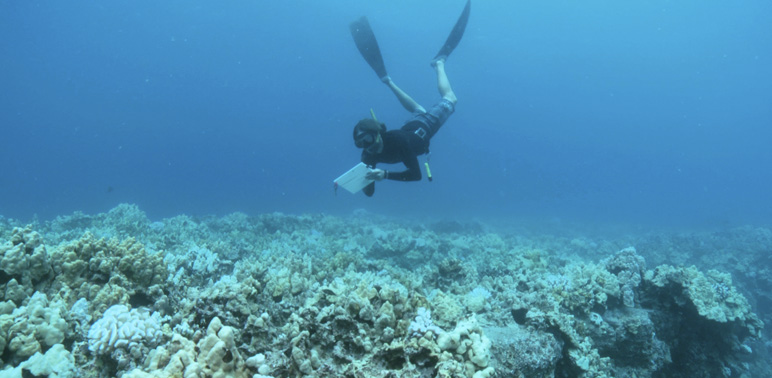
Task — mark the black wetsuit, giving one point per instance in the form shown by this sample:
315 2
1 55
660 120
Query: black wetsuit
403 145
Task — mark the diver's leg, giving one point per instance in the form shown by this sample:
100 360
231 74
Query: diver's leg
403 97
443 84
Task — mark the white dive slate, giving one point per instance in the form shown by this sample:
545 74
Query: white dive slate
354 180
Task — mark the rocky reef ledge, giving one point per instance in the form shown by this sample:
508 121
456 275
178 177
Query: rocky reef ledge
274 295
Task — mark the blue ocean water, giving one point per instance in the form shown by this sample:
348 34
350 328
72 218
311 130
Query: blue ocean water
653 112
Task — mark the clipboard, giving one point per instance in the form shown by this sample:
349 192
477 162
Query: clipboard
354 180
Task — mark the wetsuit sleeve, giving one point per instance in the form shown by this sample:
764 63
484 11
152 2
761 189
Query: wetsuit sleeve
413 172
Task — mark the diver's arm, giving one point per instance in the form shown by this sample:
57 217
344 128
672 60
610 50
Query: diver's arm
413 172
404 99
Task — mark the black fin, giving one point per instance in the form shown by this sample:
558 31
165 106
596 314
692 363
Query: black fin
368 45
455 35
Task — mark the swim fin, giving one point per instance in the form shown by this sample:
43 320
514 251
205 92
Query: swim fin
455 35
368 46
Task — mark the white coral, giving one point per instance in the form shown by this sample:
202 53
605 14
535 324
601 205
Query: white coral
423 323
121 328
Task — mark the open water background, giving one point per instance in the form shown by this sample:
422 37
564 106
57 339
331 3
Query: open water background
652 112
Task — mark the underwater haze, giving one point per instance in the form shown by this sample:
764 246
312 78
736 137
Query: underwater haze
600 204
651 112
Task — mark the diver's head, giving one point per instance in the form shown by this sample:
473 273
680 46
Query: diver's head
367 135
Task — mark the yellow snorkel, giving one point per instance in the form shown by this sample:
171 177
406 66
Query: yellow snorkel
378 136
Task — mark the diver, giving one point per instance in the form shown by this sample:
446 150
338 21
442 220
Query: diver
405 144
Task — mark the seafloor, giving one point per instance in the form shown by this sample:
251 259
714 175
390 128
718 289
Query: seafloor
116 295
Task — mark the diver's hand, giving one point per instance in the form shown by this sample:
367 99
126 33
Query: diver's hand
376 174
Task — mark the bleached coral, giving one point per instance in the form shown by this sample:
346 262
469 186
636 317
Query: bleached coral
125 329
201 260
476 299
423 323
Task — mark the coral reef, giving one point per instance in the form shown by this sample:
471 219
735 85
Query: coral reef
717 319
277 295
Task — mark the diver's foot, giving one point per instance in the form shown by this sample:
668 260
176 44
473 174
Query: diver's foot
439 60
386 79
